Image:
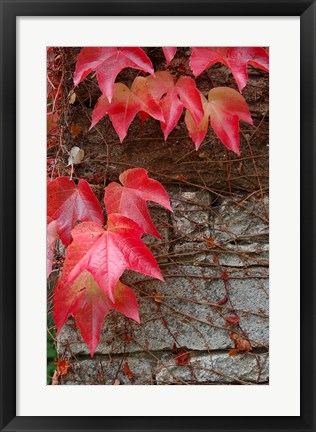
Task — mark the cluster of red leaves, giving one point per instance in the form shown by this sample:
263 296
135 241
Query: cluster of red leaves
163 97
96 257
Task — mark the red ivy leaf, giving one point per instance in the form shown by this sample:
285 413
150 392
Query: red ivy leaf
126 103
224 108
127 371
130 199
67 204
143 116
232 319
224 276
173 97
169 53
182 358
89 305
108 63
222 301
125 301
106 254
236 59
51 237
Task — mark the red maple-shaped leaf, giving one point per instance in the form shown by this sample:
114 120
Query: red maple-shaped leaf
169 53
236 59
224 107
173 97
126 103
130 199
51 237
89 305
67 204
108 63
107 253
231 320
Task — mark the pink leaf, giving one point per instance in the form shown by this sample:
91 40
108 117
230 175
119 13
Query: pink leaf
108 63
169 53
107 253
236 59
126 103
130 199
125 301
173 97
224 107
67 204
89 306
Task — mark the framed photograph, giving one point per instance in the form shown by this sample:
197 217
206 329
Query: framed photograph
159 161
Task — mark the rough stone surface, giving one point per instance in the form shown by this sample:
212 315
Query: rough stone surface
185 310
187 313
113 370
241 219
191 217
142 368
218 368
244 255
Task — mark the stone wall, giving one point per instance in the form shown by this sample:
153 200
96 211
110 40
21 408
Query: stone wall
209 251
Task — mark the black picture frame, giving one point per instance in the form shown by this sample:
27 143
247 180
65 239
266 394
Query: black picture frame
12 9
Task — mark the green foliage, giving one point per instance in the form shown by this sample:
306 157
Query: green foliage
51 351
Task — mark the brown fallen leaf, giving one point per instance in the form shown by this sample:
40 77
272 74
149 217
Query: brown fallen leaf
210 242
241 344
75 130
158 298
62 367
233 352
179 177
